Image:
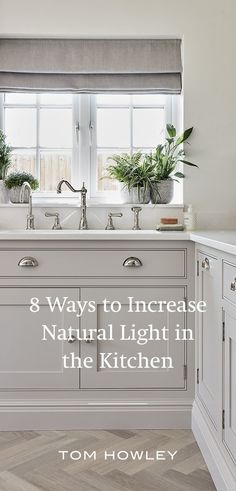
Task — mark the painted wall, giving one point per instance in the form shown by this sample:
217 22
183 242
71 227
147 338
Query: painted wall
209 56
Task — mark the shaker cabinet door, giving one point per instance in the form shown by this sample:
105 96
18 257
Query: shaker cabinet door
26 361
209 335
113 374
229 435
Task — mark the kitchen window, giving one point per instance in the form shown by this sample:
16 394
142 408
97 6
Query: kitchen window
57 136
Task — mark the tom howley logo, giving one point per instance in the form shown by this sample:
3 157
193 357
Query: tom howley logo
135 455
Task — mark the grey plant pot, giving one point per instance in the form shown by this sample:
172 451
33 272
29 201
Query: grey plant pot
162 192
15 195
136 195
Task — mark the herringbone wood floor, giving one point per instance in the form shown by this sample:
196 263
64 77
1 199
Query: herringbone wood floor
29 461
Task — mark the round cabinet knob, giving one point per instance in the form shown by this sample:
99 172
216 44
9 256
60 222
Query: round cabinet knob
233 285
206 263
28 262
132 262
71 339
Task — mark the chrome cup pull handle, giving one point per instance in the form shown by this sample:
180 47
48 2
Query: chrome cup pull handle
233 285
132 262
206 264
28 262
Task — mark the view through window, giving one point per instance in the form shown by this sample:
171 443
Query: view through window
57 136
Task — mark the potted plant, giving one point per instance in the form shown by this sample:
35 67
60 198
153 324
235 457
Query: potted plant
5 162
134 173
14 182
165 160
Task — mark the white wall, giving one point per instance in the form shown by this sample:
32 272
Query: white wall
209 34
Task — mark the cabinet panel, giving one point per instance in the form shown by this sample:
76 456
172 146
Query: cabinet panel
26 361
230 382
133 378
95 263
229 282
209 332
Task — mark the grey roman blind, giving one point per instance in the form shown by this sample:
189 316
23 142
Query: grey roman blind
91 65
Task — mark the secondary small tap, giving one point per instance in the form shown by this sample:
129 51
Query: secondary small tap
83 224
30 216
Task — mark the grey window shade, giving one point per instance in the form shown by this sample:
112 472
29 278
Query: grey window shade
91 65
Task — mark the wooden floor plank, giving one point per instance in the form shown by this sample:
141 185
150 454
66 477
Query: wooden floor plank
29 461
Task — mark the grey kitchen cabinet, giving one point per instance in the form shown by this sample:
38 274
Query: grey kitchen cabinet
27 361
209 334
229 382
214 409
159 263
36 391
108 372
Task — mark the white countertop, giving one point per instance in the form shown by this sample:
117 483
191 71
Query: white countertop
223 240
91 235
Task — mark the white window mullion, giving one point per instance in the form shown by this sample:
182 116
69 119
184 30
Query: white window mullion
131 110
38 136
76 139
2 112
83 149
168 110
93 148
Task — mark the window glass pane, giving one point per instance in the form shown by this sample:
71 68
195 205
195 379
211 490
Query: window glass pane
20 98
113 99
23 160
149 99
58 99
113 127
103 183
148 127
20 127
55 128
54 166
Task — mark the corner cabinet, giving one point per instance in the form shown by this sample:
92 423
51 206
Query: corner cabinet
209 334
36 391
214 412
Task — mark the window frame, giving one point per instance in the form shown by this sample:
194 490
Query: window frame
98 195
39 149
84 148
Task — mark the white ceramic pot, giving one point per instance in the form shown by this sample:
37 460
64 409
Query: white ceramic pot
135 195
15 195
162 192
4 193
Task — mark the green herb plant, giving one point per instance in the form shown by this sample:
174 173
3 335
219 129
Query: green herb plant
134 171
18 178
167 156
146 170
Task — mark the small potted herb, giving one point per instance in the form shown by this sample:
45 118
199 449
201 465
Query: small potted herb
134 174
165 160
5 162
14 182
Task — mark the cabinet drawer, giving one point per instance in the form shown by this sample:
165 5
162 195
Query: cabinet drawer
229 282
159 263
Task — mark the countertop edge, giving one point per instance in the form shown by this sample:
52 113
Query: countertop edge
220 240
218 244
92 235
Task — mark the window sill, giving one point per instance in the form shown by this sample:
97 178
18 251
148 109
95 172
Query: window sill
75 203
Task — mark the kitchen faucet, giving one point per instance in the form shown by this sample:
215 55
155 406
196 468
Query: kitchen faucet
83 224
30 216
